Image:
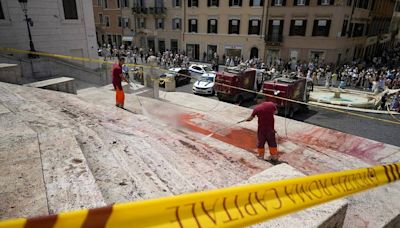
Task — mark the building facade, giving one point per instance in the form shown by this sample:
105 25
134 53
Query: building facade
329 31
59 26
231 28
395 24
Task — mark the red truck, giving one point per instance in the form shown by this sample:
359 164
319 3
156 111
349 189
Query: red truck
235 77
292 88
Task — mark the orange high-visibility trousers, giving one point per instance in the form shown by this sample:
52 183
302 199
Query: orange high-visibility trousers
119 97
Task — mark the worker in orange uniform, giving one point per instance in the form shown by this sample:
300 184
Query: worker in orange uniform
266 131
117 78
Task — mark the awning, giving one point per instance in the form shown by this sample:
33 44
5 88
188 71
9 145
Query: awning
127 38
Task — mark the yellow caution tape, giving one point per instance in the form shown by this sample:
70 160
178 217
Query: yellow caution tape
13 50
229 207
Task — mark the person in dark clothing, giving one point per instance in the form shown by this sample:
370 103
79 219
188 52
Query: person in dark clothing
266 129
117 78
383 101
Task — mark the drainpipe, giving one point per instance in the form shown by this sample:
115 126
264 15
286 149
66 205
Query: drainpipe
183 24
266 8
350 21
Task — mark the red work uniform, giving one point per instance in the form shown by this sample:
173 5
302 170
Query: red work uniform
117 83
266 131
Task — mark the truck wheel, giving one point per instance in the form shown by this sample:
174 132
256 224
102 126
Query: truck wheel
219 97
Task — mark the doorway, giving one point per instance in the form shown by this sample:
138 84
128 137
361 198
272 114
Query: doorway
193 51
211 49
254 52
161 46
150 44
272 56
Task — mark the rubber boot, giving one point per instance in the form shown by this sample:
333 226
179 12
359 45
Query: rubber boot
261 152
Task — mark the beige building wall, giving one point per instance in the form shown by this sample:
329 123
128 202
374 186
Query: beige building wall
111 33
158 35
222 39
333 48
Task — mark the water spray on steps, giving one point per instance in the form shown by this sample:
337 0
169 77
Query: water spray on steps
143 109
221 129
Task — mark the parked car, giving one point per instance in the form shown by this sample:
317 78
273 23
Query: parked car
181 76
198 70
205 85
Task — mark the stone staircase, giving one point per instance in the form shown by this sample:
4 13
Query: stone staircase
87 155
62 152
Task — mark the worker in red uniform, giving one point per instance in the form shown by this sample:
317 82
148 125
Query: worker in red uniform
266 131
117 77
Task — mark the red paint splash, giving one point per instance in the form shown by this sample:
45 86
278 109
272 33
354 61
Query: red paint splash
239 137
355 146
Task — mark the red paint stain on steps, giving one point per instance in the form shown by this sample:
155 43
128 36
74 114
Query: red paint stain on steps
239 137
352 145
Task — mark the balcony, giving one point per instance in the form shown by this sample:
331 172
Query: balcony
273 39
149 10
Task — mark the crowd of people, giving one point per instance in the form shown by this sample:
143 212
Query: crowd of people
372 74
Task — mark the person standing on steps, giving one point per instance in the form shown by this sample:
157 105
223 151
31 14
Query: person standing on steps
266 130
117 77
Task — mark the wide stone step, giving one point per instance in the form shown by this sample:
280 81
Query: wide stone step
118 180
22 189
220 164
331 214
69 182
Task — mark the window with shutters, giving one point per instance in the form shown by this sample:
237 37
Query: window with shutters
176 3
105 3
212 26
275 30
349 2
126 23
358 30
234 26
176 24
193 3
107 21
119 21
344 28
70 10
321 27
141 23
325 2
160 23
213 3
300 2
298 27
256 2
192 25
101 20
254 27
362 4
278 2
122 3
235 2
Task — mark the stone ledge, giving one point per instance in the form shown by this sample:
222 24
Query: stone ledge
330 214
63 84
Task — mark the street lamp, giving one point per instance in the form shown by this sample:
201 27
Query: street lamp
29 23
